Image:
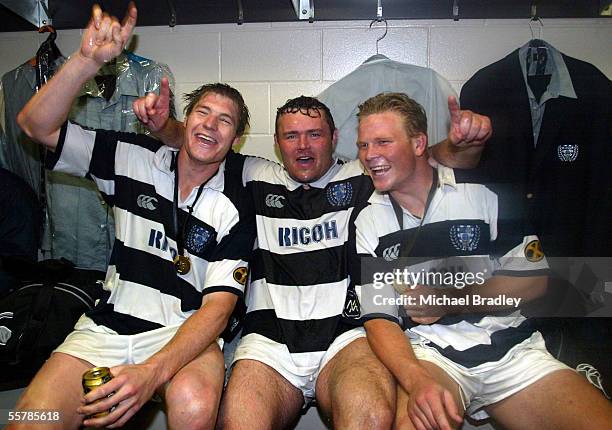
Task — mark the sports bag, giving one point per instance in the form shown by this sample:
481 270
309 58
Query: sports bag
37 316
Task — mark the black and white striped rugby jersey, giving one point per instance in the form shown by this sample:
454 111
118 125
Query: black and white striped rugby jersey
299 271
478 229
134 174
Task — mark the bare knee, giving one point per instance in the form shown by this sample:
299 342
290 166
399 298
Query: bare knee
191 404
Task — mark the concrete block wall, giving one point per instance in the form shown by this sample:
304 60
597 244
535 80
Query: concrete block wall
270 62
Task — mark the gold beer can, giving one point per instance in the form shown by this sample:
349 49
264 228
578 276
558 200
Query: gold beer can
92 379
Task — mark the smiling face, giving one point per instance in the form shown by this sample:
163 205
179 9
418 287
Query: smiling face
210 129
387 152
306 144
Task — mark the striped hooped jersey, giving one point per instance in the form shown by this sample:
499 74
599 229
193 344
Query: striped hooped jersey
468 229
134 174
299 271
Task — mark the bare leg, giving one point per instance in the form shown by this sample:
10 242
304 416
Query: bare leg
560 400
57 387
356 390
258 397
192 395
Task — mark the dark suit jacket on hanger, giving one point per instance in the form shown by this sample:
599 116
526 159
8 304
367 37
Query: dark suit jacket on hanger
566 189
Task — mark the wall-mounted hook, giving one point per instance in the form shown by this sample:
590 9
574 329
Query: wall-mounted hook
455 10
304 9
240 13
172 18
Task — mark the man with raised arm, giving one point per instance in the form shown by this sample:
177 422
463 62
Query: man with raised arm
466 346
183 236
296 345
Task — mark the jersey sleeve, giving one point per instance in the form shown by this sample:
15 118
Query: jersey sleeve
93 153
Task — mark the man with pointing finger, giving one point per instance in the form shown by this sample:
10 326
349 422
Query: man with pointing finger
179 260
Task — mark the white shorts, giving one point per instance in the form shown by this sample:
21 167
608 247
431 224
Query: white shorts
101 346
489 383
300 369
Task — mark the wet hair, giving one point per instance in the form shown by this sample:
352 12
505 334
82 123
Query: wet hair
308 106
191 99
412 113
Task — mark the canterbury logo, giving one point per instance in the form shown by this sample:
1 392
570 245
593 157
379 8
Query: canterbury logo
147 202
391 253
274 201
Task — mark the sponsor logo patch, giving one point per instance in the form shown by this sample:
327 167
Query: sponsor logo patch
352 309
146 202
240 275
275 201
391 253
533 251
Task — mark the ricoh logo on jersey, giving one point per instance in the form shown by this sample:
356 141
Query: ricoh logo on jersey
288 236
146 202
158 239
275 201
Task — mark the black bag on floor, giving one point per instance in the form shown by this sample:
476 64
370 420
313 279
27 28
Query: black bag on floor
37 316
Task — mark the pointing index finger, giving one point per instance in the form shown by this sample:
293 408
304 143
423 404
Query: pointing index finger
453 108
164 90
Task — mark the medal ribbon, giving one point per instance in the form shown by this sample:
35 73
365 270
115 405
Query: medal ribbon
408 245
179 234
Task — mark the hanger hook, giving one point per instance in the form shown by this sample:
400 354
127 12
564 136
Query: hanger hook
384 34
536 19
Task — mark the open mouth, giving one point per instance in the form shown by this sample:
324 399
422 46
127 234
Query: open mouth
305 161
379 170
205 139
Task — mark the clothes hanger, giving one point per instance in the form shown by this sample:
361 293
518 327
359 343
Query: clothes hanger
535 19
379 18
537 54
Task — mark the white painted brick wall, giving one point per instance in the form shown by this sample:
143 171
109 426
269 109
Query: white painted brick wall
270 62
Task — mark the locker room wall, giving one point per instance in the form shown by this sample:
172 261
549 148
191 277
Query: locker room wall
271 62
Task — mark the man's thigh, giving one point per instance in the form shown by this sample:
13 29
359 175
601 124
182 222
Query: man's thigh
57 386
354 381
257 396
559 400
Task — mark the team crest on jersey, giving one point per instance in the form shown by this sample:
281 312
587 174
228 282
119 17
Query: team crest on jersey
567 153
351 305
340 194
197 239
533 251
465 237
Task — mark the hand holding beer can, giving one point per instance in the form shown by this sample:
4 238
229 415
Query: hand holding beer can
94 378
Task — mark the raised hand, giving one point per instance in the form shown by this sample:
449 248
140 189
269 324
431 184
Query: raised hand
467 128
154 110
104 37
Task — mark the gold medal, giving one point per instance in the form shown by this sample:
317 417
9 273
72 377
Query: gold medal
182 264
